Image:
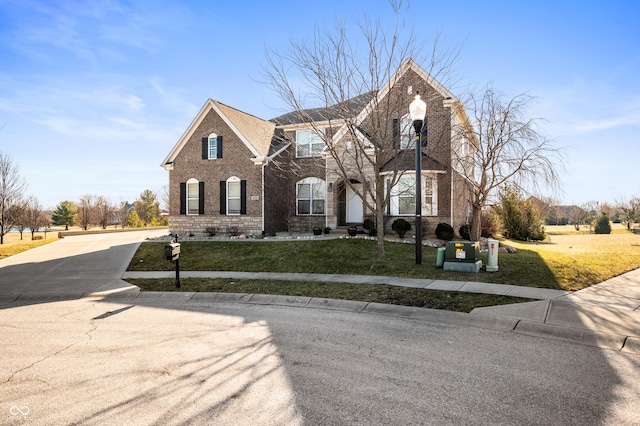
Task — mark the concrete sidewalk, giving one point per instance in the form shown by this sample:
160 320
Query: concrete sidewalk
604 315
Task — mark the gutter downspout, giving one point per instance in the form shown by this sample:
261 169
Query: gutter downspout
262 198
452 198
326 189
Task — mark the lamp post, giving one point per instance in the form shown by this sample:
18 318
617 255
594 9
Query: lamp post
418 111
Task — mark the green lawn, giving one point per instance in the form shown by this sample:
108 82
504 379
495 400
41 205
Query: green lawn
338 256
447 300
13 246
566 260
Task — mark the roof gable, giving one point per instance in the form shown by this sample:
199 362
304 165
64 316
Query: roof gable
254 132
407 65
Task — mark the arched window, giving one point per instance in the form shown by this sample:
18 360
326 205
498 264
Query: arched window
193 197
212 147
234 200
311 196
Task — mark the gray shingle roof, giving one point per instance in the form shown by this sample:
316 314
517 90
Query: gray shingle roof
406 160
349 108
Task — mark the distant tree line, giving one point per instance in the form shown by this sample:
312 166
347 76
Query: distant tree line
624 211
520 218
92 211
21 212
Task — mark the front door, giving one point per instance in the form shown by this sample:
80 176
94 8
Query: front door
355 209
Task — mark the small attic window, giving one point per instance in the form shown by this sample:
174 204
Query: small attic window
212 147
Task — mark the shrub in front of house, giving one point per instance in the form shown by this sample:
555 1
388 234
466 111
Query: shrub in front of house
490 224
602 225
465 232
400 227
370 226
444 231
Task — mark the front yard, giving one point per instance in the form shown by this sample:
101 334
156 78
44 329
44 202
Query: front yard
569 261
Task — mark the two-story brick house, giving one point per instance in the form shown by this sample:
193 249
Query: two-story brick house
234 172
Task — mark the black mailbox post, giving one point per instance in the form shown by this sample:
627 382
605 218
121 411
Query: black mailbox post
172 254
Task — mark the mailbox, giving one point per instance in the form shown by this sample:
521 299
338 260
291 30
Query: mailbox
462 251
172 251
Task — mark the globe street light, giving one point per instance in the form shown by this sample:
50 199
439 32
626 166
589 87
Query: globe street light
418 111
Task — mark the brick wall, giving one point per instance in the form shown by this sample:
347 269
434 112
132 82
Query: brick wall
235 161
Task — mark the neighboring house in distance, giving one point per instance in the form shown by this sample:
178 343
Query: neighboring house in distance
234 172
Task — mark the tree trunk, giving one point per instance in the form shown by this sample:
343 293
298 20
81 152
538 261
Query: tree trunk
476 223
379 190
380 235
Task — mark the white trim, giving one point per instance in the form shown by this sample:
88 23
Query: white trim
233 179
214 136
394 202
196 182
310 181
314 132
234 129
209 104
305 125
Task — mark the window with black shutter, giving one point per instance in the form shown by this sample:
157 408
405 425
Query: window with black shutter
212 147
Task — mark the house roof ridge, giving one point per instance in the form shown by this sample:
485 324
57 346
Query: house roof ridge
356 101
256 132
236 109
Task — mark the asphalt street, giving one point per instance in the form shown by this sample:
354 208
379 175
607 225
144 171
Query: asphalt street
166 361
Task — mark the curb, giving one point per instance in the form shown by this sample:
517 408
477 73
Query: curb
450 317
576 335
632 345
617 342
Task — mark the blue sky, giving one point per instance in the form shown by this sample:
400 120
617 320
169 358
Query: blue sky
93 95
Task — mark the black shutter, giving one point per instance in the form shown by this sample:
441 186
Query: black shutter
219 151
183 198
205 148
201 198
223 197
395 131
423 135
243 197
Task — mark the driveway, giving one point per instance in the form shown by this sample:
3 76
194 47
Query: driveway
73 266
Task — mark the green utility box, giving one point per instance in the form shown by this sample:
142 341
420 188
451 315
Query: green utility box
462 251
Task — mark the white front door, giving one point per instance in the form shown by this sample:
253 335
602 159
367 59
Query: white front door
355 209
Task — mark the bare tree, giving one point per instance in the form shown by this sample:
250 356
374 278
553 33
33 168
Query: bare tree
12 188
630 211
121 213
87 211
509 148
21 221
327 83
34 215
104 211
164 198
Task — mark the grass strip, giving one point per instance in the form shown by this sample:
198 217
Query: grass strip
14 248
433 299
